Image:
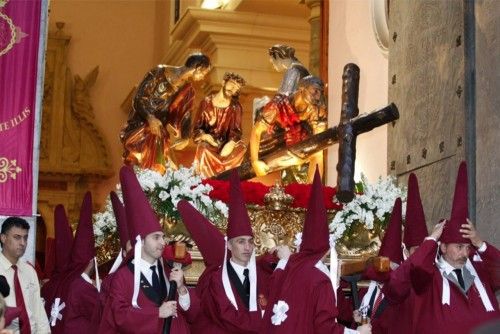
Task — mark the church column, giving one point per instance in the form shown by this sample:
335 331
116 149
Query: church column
315 46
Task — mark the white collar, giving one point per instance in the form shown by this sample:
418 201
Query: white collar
445 267
239 269
322 267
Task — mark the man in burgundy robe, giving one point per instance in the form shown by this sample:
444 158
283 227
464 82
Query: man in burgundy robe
121 225
374 301
136 302
229 301
77 290
302 298
218 129
397 290
456 292
63 245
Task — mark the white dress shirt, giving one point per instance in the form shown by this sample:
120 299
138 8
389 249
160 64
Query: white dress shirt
239 270
31 294
447 268
145 268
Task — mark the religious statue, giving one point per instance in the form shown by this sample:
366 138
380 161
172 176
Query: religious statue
217 130
304 115
160 120
279 112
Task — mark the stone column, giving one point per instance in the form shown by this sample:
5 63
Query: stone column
315 46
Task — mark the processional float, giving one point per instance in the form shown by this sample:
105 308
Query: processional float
276 222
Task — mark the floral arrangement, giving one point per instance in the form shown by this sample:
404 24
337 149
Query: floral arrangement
164 192
372 206
254 193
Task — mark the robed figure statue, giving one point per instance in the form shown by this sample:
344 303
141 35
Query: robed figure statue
160 119
217 130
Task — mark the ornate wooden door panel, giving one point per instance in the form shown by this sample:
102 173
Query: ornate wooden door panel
426 82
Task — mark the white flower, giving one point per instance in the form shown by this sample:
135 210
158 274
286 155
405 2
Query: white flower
332 240
164 192
374 204
163 195
279 312
222 207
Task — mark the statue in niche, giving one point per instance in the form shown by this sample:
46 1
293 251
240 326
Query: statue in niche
160 120
81 110
217 131
305 115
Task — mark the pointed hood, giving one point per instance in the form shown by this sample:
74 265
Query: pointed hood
292 285
391 244
84 244
238 222
238 225
141 218
63 245
315 235
63 240
208 238
459 210
121 219
415 227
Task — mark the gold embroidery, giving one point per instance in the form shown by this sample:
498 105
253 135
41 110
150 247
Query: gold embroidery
6 42
8 168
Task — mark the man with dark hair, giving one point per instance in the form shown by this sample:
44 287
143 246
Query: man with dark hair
218 129
457 288
137 301
22 278
160 119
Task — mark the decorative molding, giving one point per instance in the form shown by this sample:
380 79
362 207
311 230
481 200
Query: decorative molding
73 152
237 42
379 18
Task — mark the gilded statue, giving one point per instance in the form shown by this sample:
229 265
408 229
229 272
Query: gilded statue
160 120
217 131
286 117
288 121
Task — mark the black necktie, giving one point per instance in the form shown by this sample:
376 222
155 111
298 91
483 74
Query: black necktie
460 277
155 279
246 282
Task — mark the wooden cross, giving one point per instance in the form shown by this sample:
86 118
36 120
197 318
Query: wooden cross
350 126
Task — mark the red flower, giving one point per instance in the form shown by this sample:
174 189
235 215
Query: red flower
254 193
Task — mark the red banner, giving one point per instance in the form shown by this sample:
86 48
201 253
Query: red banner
22 43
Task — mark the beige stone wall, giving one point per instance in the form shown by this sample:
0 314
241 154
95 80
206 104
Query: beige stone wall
487 30
351 39
125 39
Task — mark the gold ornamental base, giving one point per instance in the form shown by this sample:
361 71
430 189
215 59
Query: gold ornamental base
274 224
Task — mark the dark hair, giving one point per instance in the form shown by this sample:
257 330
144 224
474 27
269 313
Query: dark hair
282 51
311 80
234 77
196 60
14 222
